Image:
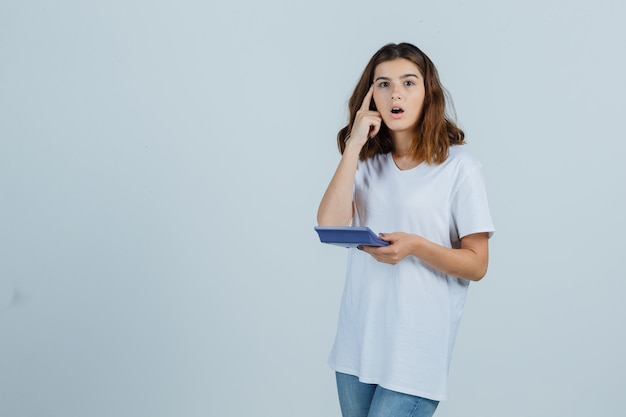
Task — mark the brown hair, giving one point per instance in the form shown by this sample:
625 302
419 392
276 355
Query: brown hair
435 131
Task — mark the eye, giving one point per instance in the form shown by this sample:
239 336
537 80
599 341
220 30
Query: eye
383 84
409 83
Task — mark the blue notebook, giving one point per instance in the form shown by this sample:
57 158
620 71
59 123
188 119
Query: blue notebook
349 237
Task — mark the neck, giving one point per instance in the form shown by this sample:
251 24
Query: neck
402 142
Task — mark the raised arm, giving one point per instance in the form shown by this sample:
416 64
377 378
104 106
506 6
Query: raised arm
336 208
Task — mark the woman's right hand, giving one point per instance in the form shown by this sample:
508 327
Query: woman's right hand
336 208
367 122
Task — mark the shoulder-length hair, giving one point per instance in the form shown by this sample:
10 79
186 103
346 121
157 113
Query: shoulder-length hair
435 132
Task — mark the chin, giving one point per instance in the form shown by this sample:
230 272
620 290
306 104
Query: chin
399 126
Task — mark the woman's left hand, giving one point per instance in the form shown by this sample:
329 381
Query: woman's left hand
400 246
467 262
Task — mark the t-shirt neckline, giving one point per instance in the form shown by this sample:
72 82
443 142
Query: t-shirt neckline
397 168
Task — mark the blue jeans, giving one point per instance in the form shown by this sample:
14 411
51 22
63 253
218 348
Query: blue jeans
370 400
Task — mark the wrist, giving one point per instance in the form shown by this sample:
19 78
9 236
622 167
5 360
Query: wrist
352 148
416 245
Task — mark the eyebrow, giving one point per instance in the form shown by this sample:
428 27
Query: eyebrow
401 77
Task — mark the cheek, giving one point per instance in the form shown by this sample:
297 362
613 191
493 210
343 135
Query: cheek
419 101
378 97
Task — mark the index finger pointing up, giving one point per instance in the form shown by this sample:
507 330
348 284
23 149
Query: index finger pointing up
367 100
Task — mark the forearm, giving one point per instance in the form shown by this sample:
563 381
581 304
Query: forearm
336 207
468 262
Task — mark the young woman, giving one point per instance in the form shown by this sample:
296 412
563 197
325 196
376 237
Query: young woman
403 172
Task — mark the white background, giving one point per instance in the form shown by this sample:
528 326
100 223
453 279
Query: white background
161 164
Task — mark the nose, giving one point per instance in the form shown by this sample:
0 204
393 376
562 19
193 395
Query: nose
395 93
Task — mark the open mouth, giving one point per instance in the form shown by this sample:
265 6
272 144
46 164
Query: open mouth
397 110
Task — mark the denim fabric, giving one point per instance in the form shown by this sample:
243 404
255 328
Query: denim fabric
370 400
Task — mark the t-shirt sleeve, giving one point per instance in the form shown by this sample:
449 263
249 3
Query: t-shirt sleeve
470 208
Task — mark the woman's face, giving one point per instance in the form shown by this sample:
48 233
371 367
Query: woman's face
399 94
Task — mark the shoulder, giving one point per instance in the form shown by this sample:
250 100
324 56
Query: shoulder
376 163
461 161
459 155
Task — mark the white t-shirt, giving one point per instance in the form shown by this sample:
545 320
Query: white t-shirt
398 323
